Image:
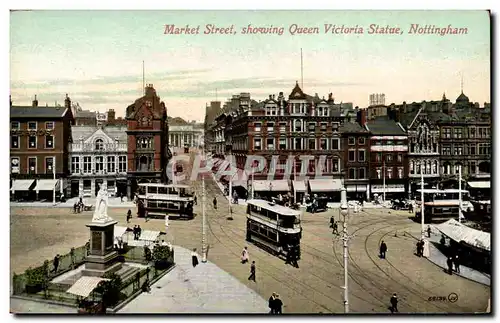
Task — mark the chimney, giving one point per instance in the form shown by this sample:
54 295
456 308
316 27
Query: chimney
362 117
270 97
67 102
111 115
35 102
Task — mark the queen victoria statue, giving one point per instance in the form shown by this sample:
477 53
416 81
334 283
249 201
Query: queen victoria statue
101 206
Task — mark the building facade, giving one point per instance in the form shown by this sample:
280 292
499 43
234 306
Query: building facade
97 156
184 134
147 135
388 158
39 140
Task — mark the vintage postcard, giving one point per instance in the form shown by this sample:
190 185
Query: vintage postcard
250 162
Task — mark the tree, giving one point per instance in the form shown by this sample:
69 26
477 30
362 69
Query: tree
110 290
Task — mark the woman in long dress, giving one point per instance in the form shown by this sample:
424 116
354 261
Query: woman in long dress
194 257
244 256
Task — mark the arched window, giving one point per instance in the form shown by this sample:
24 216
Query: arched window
99 144
412 167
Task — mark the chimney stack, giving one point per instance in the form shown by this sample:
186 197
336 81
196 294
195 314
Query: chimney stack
67 102
111 115
35 102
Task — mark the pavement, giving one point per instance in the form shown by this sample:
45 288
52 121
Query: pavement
113 202
203 289
22 306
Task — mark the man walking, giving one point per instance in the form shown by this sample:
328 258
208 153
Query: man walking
456 262
56 263
383 250
215 203
195 200
244 256
129 216
332 221
278 304
272 305
428 231
449 262
335 228
394 303
166 223
252 271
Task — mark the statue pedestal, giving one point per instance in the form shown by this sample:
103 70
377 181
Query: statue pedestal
102 258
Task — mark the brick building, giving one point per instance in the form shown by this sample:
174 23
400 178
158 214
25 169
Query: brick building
147 135
39 138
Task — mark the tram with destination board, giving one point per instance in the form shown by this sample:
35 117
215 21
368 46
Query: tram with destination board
273 227
158 200
442 205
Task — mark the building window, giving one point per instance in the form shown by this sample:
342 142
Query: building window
335 144
472 132
14 142
412 165
87 164
322 144
323 126
49 125
49 142
335 165
31 165
352 141
32 142
257 144
111 164
352 173
14 165
447 133
297 126
257 126
362 173
75 165
446 150
388 158
270 143
458 150
361 140
49 165
352 155
457 133
144 143
99 164
361 155
122 164
378 157
297 143
400 172
270 127
312 126
32 125
282 127
99 144
14 125
473 149
282 143
335 126
312 144
400 158
389 172
379 172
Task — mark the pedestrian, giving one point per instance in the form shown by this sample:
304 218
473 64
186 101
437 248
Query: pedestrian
139 231
420 247
129 215
288 254
278 304
75 206
410 208
56 263
335 228
428 231
332 221
252 271
195 200
146 219
294 257
215 203
394 303
449 262
272 305
166 223
135 232
244 255
194 258
442 241
383 250
456 262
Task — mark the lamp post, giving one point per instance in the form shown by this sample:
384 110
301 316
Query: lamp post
422 207
270 191
460 193
54 191
344 211
203 224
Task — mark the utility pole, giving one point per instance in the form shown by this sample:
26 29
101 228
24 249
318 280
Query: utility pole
459 194
253 170
422 207
230 182
383 172
203 221
344 211
54 173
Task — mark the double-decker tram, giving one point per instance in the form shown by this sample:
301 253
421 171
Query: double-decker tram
158 200
442 205
273 227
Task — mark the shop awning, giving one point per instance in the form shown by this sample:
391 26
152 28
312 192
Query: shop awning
299 186
119 231
22 184
85 285
271 186
148 235
47 184
325 185
356 188
482 184
462 233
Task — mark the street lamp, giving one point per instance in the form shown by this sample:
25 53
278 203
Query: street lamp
270 191
344 211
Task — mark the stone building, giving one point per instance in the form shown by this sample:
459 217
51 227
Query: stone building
98 155
147 135
39 140
211 112
183 134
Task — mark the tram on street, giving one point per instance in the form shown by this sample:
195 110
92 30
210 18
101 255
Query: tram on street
273 227
158 200
442 205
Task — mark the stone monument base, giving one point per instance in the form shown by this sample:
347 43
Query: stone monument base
102 258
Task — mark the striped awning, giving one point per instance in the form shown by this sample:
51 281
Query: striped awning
85 285
299 186
325 185
47 185
148 235
22 184
119 231
271 186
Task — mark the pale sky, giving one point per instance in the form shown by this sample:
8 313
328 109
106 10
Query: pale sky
96 57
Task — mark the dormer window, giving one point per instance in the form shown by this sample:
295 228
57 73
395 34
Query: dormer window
99 144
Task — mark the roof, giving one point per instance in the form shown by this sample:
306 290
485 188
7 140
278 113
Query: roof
282 210
113 132
297 93
384 126
462 98
352 127
37 112
460 232
85 285
325 185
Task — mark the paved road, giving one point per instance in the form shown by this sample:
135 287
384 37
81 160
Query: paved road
317 286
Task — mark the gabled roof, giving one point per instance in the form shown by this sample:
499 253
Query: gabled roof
86 132
352 127
383 126
37 112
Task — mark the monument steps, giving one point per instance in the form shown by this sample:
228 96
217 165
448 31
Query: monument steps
127 271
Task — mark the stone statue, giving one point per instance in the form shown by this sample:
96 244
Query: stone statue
101 206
